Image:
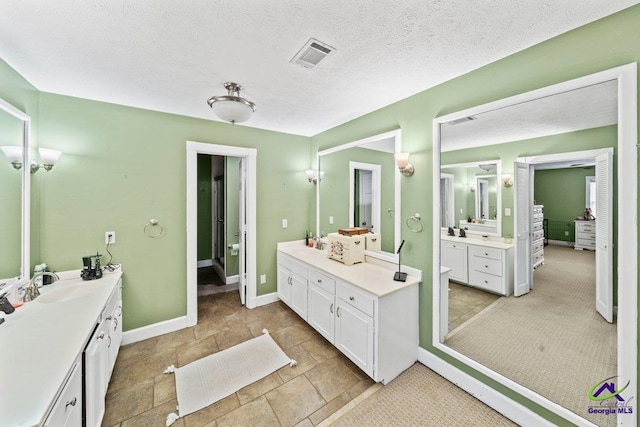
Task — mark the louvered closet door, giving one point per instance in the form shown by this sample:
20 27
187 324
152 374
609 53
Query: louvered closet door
604 236
523 238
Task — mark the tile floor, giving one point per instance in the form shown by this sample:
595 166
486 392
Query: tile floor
324 381
465 302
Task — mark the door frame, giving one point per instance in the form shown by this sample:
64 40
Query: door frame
376 172
250 155
627 209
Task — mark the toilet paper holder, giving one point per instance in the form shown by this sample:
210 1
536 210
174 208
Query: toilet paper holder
235 248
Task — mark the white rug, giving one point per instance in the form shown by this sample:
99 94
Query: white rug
212 378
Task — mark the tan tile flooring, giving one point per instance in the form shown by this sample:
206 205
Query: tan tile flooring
324 381
465 302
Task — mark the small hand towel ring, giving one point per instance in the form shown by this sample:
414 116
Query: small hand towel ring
150 226
414 223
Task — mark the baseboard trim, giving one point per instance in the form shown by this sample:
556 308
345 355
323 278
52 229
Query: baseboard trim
154 330
266 299
205 263
230 280
561 243
498 401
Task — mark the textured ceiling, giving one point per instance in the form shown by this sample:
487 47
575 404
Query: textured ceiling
585 108
171 56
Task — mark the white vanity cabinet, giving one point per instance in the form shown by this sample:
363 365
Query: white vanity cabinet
360 309
454 257
100 357
487 265
67 411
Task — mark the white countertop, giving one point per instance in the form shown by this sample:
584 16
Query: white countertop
478 242
371 277
39 343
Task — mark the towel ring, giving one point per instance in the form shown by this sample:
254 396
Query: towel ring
151 225
414 223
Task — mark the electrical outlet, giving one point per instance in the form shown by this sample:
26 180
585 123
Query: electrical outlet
109 237
263 279
566 233
331 220
507 212
285 223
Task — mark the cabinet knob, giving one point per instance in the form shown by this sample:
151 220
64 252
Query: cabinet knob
101 336
351 298
72 402
338 312
319 281
331 308
486 254
486 266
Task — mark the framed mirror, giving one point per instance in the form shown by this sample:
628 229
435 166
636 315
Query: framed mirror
15 128
470 196
560 341
360 187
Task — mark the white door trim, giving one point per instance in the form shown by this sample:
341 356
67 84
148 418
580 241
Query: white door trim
376 172
627 211
250 154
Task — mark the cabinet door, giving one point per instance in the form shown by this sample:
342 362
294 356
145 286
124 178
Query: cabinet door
284 285
454 256
321 311
67 411
96 357
299 295
354 335
114 338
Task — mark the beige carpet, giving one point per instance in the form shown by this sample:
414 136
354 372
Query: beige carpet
420 397
552 340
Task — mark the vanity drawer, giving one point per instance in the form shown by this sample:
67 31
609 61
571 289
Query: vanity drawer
322 281
292 265
485 252
486 281
355 297
538 234
486 265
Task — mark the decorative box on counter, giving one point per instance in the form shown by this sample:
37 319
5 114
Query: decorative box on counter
373 242
348 250
353 231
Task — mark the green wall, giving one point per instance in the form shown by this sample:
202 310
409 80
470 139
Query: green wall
606 43
205 193
122 166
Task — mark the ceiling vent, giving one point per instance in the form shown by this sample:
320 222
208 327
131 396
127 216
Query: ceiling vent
462 120
311 53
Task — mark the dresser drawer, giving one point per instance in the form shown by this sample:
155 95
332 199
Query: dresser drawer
538 256
485 252
292 265
538 217
586 236
355 297
537 209
538 245
486 265
586 242
486 281
322 281
537 226
585 226
538 234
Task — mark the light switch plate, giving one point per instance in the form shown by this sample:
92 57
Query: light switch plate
331 220
507 211
263 279
285 223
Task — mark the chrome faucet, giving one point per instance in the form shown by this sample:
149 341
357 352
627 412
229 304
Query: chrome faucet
32 292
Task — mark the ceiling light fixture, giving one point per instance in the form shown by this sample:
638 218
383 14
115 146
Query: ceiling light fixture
232 107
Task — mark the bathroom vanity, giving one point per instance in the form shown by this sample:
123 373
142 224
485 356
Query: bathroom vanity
360 309
483 264
58 353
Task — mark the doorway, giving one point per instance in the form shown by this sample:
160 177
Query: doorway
247 160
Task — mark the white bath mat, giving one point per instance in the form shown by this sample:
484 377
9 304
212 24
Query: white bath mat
212 378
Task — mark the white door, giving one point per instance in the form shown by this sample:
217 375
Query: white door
604 236
242 236
522 229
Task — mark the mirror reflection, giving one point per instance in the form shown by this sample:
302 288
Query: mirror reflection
11 137
359 189
531 306
470 197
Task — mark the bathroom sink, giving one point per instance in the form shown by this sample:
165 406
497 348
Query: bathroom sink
65 293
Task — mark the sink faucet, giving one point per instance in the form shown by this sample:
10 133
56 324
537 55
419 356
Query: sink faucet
32 292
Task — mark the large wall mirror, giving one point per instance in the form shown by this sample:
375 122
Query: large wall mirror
563 330
360 187
15 128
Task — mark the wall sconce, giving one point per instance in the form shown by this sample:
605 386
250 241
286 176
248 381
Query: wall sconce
312 177
402 161
507 179
48 157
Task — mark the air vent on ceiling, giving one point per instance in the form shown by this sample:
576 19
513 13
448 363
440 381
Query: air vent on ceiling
462 120
312 53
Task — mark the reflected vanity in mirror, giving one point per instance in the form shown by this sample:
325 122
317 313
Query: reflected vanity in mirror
360 187
553 335
15 128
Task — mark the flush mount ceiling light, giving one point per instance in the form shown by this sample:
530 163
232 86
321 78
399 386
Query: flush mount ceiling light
232 107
